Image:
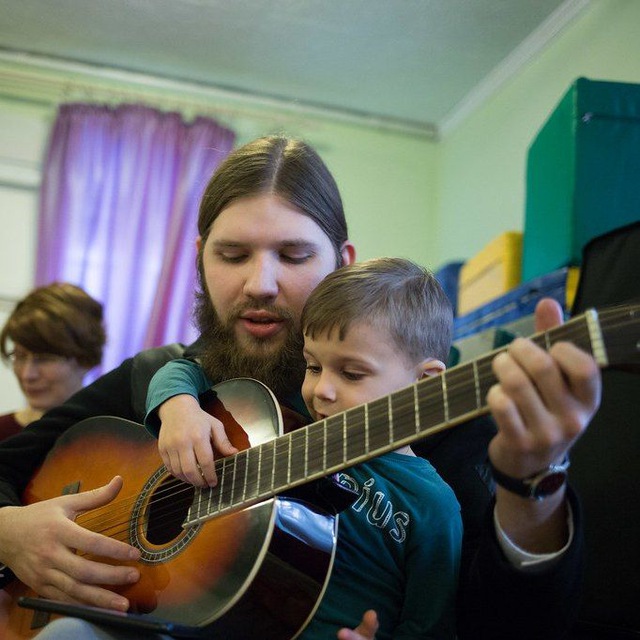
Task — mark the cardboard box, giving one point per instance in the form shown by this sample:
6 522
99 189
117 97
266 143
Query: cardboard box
518 303
582 174
490 273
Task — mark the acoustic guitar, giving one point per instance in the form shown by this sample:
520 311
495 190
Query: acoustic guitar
249 558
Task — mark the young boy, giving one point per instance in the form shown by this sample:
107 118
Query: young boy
371 329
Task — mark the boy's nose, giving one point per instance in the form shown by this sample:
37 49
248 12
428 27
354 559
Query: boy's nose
324 388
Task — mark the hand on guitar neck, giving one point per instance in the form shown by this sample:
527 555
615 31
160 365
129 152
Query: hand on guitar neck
186 439
542 403
38 541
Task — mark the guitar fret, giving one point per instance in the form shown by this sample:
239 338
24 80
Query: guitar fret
416 407
401 410
444 397
594 329
196 504
289 459
273 467
390 432
430 403
258 474
367 443
476 384
220 485
238 462
297 455
378 424
281 462
461 390
226 489
251 474
356 438
345 455
210 497
316 442
486 377
202 501
324 444
266 463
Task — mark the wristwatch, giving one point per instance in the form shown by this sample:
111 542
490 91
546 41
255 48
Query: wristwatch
538 486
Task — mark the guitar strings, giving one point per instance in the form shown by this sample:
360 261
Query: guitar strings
337 445
164 498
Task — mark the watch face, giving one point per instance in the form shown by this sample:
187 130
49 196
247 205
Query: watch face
550 484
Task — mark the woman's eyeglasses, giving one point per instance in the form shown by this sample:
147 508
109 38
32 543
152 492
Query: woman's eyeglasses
41 360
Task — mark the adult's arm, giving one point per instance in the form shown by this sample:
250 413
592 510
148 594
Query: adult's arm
495 599
48 562
542 403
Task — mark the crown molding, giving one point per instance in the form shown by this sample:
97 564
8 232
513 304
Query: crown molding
522 55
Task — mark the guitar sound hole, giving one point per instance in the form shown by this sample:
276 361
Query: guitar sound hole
168 507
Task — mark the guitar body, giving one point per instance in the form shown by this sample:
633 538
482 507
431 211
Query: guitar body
253 572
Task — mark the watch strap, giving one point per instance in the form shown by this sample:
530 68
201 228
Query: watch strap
537 486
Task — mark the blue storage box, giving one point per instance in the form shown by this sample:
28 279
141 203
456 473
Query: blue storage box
515 304
448 277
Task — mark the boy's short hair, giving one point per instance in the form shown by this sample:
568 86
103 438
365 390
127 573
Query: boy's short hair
393 294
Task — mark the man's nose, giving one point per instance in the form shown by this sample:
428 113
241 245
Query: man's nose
262 278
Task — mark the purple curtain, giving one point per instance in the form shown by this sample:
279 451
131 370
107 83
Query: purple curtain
118 216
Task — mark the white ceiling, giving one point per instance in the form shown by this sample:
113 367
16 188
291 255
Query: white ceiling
419 63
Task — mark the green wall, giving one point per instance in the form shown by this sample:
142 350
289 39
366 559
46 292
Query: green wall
481 186
388 184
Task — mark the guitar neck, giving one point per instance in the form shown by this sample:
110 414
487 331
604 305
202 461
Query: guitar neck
364 432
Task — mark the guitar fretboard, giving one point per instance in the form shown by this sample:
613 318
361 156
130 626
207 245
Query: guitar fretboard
424 408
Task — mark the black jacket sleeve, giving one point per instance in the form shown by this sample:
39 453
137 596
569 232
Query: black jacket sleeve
496 601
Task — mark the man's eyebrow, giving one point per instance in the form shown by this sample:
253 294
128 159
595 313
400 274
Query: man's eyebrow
227 243
299 243
292 242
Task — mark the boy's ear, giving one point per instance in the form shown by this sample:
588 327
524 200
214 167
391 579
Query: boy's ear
430 367
198 244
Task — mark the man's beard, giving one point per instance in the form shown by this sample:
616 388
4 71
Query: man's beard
222 358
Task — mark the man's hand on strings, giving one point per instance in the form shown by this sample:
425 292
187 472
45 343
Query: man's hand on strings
52 561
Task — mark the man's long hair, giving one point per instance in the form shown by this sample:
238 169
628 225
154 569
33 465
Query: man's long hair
293 171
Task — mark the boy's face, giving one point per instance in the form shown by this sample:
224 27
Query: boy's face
342 374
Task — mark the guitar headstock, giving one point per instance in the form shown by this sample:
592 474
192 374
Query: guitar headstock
620 327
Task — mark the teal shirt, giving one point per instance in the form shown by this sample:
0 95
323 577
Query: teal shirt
398 552
398 546
177 377
181 376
